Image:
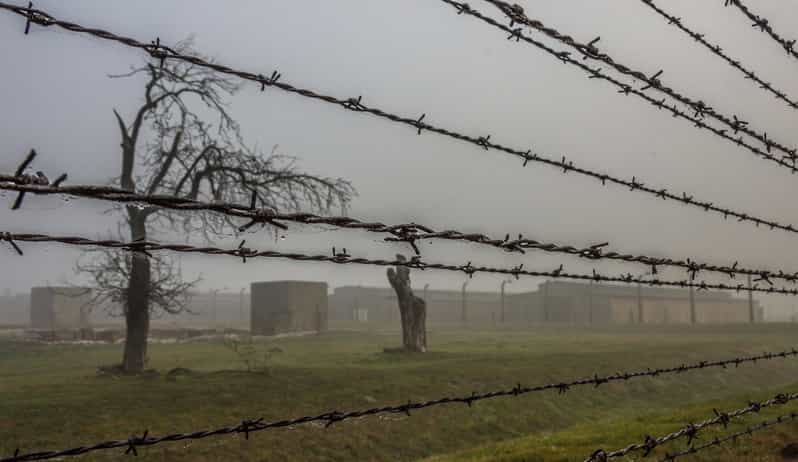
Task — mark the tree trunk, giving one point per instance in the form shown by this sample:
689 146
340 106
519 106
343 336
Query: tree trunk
137 311
412 309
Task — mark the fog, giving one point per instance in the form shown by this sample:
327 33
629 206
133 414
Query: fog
412 57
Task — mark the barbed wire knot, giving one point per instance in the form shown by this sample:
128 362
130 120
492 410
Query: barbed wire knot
598 455
722 417
248 426
5 236
135 440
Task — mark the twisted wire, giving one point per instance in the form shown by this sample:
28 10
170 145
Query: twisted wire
590 51
762 23
162 53
410 233
718 51
691 431
415 262
732 437
332 417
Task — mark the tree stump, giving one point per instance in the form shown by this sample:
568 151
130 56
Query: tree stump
412 309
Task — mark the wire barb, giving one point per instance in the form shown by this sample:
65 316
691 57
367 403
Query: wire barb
764 25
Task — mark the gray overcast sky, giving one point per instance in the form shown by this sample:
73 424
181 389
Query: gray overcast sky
413 57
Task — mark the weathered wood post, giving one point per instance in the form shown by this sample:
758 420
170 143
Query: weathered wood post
463 306
640 316
502 316
412 309
751 313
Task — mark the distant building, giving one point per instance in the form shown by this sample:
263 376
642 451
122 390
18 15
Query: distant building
216 308
444 306
59 308
553 302
579 303
288 306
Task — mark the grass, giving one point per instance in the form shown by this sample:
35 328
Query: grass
51 396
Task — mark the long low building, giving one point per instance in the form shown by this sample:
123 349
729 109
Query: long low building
381 304
554 302
577 303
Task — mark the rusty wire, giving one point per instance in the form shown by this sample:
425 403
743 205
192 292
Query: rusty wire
732 437
700 108
329 418
763 24
691 431
145 247
40 184
410 233
717 50
161 52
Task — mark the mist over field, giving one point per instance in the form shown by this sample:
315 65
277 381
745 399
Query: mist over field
284 209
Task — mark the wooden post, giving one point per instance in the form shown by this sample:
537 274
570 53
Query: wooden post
501 316
546 301
640 319
241 306
751 301
213 311
463 308
426 286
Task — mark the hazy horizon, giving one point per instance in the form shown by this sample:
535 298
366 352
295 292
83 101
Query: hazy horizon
414 57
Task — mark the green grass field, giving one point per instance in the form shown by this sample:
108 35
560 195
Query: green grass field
51 397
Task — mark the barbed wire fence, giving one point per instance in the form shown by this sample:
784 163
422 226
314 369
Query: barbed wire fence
355 104
412 233
691 431
590 51
718 51
763 24
731 438
329 418
342 257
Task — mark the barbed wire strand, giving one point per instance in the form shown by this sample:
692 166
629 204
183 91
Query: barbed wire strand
332 417
701 109
410 233
249 426
415 262
732 437
161 52
762 23
691 431
718 51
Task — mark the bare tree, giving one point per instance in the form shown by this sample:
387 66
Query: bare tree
169 147
110 272
412 309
